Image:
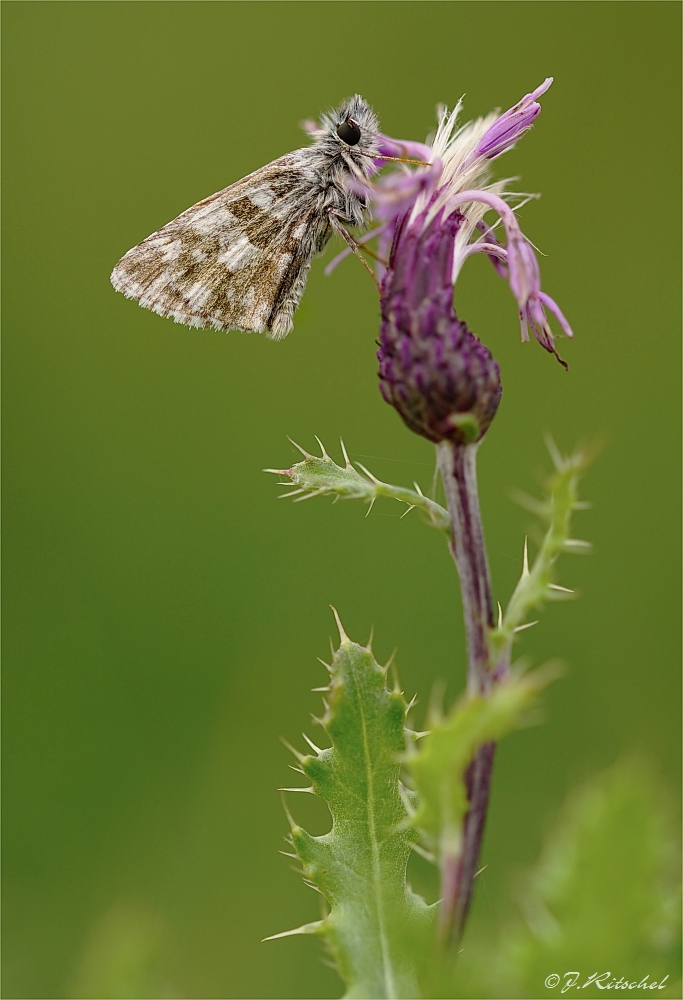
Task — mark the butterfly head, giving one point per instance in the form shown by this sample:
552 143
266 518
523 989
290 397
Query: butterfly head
350 132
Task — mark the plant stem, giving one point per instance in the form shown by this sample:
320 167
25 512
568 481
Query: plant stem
458 470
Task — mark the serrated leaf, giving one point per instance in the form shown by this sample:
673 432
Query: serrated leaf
536 584
438 763
377 929
322 476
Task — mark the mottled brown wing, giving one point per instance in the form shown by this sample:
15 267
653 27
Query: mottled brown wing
235 261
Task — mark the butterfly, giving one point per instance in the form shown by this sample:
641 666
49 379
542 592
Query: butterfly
239 260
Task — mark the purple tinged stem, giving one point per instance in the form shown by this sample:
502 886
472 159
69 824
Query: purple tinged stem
478 782
459 473
458 469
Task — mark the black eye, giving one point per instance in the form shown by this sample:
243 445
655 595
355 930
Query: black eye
349 132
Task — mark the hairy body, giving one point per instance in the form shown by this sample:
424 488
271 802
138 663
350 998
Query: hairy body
239 260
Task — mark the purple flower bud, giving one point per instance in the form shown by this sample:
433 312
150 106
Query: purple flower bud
438 375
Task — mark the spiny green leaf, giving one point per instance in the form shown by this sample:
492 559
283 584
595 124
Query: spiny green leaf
321 476
536 584
377 929
438 763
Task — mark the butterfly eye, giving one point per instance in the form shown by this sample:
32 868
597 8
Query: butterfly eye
349 132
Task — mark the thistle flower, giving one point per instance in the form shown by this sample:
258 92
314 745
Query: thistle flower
440 378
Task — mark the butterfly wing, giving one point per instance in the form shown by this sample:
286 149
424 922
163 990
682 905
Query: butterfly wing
237 260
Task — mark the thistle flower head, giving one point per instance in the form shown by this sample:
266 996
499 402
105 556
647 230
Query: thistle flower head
439 377
442 380
459 180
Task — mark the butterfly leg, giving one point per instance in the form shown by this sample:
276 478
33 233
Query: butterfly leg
354 246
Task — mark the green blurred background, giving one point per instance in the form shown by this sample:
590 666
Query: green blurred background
164 611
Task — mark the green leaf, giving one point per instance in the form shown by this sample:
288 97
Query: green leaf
437 765
604 897
536 584
600 893
377 929
321 476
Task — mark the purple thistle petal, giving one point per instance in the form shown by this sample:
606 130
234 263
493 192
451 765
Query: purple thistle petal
309 126
495 253
396 194
403 148
524 326
497 256
538 321
555 309
524 273
512 125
